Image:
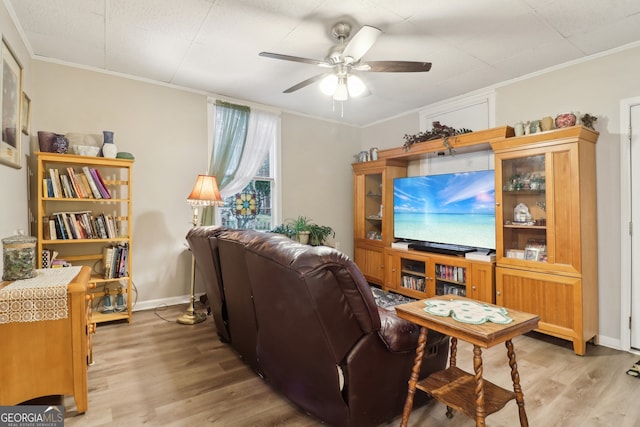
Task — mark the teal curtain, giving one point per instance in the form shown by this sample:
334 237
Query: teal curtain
230 135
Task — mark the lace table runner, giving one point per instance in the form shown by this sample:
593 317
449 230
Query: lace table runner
43 297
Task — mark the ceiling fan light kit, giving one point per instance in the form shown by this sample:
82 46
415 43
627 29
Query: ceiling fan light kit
342 83
342 88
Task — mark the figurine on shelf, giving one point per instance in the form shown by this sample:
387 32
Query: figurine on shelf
120 305
107 307
588 120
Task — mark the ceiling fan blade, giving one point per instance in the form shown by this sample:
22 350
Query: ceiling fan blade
294 59
394 66
305 83
361 42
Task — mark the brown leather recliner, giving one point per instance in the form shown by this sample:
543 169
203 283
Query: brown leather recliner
305 319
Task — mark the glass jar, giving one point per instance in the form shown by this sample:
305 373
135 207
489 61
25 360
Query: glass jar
19 257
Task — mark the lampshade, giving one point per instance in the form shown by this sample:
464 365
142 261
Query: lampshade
341 87
329 84
341 93
205 192
355 85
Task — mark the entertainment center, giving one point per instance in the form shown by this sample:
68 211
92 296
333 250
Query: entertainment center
544 220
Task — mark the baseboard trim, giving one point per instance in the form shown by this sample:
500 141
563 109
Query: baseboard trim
162 302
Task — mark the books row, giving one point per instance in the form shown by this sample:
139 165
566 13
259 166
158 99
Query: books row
412 282
114 261
87 184
79 225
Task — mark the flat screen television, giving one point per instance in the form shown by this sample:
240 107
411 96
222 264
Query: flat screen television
453 209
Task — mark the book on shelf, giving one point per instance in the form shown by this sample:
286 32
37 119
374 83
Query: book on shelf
47 187
61 230
124 254
55 182
114 260
92 183
75 183
46 231
97 178
52 229
67 190
107 261
86 188
104 185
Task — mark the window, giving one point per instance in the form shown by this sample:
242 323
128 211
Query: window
253 206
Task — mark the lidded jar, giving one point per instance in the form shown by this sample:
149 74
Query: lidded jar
19 257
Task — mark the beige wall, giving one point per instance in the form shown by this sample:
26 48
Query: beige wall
13 182
316 173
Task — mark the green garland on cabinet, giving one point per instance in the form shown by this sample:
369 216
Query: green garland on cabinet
438 131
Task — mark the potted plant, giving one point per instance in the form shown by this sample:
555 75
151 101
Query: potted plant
305 231
284 229
318 234
300 226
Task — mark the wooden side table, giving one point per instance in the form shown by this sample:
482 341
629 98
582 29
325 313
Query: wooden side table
459 390
48 357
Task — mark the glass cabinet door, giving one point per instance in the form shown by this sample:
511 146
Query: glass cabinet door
373 206
522 212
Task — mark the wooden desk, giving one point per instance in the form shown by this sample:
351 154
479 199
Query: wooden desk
461 391
48 357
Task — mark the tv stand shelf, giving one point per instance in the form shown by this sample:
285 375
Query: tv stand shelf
422 275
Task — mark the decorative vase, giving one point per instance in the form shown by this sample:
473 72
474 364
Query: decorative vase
59 144
546 123
519 129
45 140
109 149
565 120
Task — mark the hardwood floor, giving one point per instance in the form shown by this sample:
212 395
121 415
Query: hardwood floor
159 373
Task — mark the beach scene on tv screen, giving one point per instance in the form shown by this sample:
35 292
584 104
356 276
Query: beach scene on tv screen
457 208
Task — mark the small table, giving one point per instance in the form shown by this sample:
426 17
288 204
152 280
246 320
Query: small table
45 354
470 394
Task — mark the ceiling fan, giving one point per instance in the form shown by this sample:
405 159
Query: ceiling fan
344 59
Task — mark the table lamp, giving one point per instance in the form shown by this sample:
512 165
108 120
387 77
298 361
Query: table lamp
205 193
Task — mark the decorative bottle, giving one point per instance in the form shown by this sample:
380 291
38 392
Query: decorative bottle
109 149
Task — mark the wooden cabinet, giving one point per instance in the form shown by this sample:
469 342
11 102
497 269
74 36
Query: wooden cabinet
482 283
546 230
373 213
87 248
424 275
370 260
48 357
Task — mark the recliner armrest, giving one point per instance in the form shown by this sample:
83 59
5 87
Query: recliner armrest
398 334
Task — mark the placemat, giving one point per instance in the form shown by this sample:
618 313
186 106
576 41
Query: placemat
43 297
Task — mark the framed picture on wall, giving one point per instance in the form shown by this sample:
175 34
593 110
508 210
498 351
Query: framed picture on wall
10 94
25 115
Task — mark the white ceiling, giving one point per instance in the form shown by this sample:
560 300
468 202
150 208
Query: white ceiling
213 45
